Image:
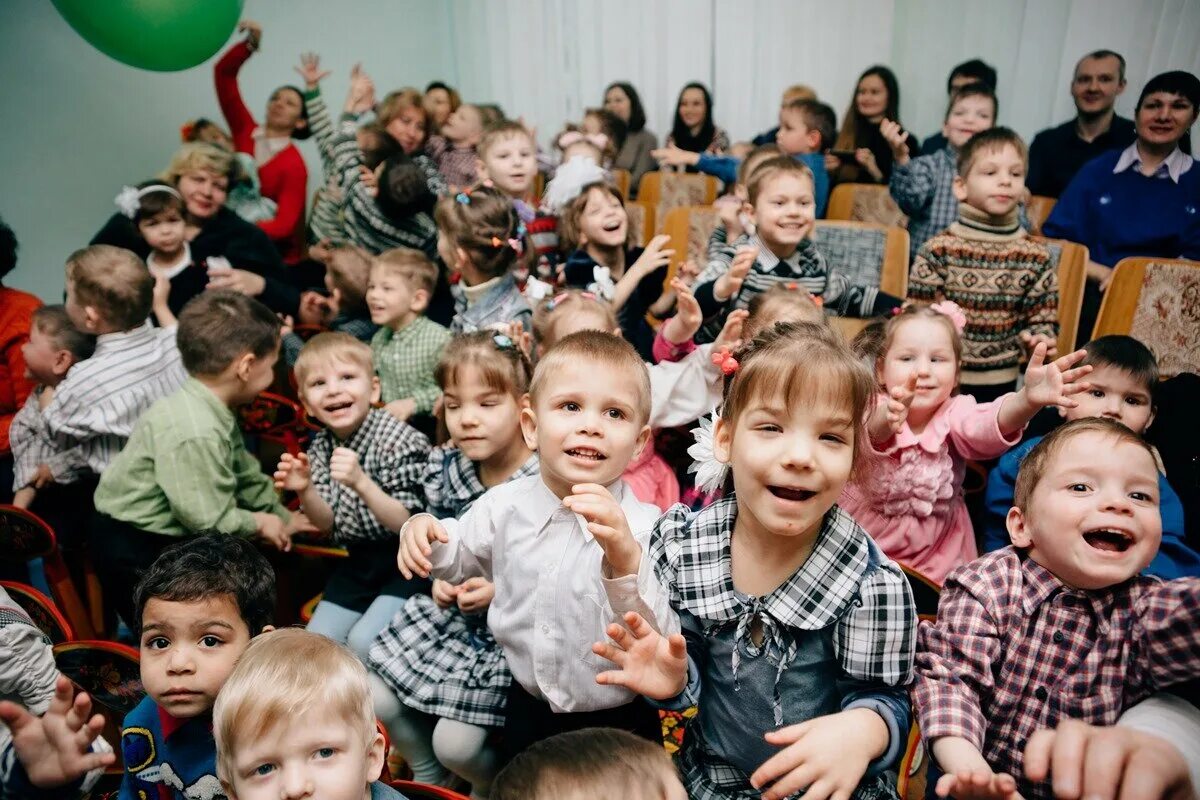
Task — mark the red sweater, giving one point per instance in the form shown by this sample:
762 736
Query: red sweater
284 178
16 312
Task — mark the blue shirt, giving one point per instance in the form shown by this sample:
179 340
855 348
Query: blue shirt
725 168
1174 560
156 745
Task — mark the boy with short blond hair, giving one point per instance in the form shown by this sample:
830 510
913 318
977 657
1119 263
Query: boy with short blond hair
347 272
407 346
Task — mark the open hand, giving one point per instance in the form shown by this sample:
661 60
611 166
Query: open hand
1053 384
310 70
731 282
648 663
732 331
55 749
824 757
606 522
416 538
293 473
253 31
672 156
654 256
683 326
899 401
897 139
979 784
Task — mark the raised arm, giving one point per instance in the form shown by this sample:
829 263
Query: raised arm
229 94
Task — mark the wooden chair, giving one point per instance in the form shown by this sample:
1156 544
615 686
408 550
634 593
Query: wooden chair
25 536
1038 211
1072 275
41 610
423 791
664 191
275 418
621 179
1157 301
690 228
641 221
864 202
539 185
914 767
109 672
868 254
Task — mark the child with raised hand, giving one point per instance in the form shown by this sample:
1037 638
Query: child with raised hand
558 545
481 238
439 678
359 483
453 147
1005 282
1060 625
914 507
343 308
798 632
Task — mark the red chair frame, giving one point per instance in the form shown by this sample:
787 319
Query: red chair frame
25 545
62 629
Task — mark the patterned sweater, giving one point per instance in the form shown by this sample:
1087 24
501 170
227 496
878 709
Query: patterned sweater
1005 283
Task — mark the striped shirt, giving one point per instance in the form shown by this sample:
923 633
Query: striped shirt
405 360
32 446
325 221
100 400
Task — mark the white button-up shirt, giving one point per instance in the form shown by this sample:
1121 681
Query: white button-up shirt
552 603
683 391
1173 166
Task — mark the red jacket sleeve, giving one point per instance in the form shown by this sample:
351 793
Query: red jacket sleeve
15 336
241 123
290 201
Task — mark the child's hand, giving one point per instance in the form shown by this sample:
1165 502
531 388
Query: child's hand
345 469
978 784
521 338
899 401
1104 762
321 251
832 162
24 497
1030 341
688 272
729 283
299 523
444 594
672 156
650 664
55 749
683 326
43 477
606 521
293 473
654 256
162 290
1053 384
475 594
272 530
369 178
310 70
825 757
897 139
415 540
731 333
729 211
361 96
253 31
402 409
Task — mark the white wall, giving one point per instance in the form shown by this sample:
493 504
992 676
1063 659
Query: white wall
77 125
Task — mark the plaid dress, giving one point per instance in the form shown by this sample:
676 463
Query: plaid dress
847 602
440 660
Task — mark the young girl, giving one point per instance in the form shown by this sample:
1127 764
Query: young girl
583 158
481 238
595 228
439 678
914 506
790 613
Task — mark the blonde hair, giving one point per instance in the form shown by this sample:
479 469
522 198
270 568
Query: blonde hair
413 266
574 302
568 224
765 309
799 91
349 271
332 346
596 347
201 157
801 359
773 168
499 131
113 281
918 312
397 102
281 675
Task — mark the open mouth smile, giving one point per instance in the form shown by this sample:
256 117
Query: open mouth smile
1108 540
586 454
791 494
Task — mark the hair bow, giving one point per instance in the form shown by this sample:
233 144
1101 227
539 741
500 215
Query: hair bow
186 130
602 282
463 198
536 289
725 360
597 140
127 201
710 473
952 310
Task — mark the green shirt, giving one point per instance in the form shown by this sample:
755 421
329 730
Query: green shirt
405 360
185 469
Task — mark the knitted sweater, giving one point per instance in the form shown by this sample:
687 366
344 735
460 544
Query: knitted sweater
1004 282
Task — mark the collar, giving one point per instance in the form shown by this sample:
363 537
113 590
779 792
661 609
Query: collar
169 271
389 333
477 292
1173 166
545 506
171 724
364 434
974 219
199 391
117 339
769 261
1040 584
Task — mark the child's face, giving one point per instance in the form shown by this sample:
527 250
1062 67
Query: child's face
391 300
789 462
437 105
603 222
871 97
692 107
995 182
45 363
794 135
592 125
784 212
163 232
339 393
464 127
408 128
921 347
481 419
188 648
585 426
317 755
968 117
1093 518
1117 395
256 377
511 165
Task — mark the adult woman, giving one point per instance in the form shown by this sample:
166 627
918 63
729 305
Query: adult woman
621 100
201 174
281 170
440 102
16 311
693 128
876 98
1140 201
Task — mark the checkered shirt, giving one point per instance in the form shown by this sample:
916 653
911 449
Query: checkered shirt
406 359
1014 650
452 483
924 190
391 453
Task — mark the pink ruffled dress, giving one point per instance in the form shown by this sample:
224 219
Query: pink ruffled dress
913 506
651 479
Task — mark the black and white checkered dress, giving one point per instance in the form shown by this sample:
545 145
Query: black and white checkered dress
442 661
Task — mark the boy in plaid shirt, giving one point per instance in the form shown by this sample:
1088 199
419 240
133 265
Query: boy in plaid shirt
359 482
1061 625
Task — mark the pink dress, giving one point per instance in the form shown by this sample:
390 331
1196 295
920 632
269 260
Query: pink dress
913 505
651 479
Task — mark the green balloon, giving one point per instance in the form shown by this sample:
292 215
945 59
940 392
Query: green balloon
159 35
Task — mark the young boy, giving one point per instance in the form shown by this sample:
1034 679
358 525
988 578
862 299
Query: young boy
54 346
1124 376
407 345
295 720
347 272
186 468
1060 625
508 162
780 204
964 74
543 540
109 295
806 129
359 482
1006 283
923 187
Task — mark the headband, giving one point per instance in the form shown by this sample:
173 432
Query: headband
597 140
128 201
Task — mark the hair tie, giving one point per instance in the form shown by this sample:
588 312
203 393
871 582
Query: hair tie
496 241
464 198
949 308
517 245
725 360
503 342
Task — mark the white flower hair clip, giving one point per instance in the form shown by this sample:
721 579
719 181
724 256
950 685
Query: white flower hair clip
127 201
537 290
602 283
710 473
